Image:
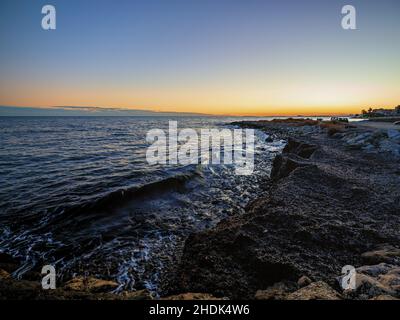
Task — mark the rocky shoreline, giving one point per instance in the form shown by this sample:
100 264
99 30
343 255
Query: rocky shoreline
333 199
330 202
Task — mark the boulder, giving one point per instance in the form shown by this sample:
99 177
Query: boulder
8 263
376 280
90 284
394 135
390 147
359 140
391 279
4 275
278 291
304 281
368 287
388 254
299 148
283 165
315 291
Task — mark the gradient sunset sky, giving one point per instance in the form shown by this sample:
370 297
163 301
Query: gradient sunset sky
211 56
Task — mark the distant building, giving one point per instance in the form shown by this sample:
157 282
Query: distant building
385 112
381 112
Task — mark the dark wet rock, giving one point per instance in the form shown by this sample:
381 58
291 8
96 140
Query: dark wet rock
302 149
283 165
294 155
4 275
368 287
8 263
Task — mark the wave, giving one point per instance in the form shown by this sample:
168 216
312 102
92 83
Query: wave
121 197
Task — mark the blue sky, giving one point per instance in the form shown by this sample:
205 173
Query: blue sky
198 56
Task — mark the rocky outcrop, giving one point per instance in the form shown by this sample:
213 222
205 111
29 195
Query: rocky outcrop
4 275
319 215
299 148
304 281
278 291
312 291
90 284
315 291
386 253
294 155
283 165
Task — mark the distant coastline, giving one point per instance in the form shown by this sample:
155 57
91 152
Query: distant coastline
78 111
90 111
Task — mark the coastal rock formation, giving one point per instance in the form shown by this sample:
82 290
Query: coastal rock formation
325 207
278 291
386 253
315 291
90 284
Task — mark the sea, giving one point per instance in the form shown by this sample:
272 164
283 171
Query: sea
78 193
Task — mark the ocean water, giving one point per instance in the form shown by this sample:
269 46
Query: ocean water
78 193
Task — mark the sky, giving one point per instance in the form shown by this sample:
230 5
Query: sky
247 57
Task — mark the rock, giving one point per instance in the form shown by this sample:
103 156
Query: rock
304 281
338 135
388 254
394 135
376 280
308 129
316 220
192 296
315 291
368 147
136 295
278 291
360 141
299 148
19 290
4 275
283 165
367 287
8 263
391 279
390 146
374 270
384 297
90 284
